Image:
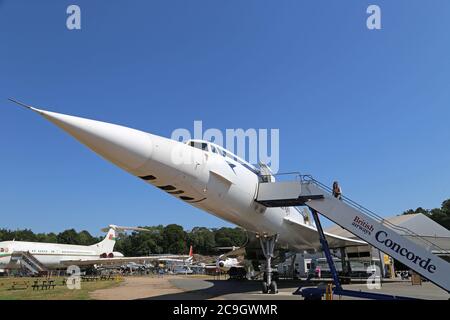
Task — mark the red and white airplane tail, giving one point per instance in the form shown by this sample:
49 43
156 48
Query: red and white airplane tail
191 254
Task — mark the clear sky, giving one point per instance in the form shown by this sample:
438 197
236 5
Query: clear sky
369 108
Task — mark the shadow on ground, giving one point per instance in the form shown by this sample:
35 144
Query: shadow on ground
195 289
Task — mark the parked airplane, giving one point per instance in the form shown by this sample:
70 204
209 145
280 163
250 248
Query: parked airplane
54 256
169 259
181 261
202 174
229 263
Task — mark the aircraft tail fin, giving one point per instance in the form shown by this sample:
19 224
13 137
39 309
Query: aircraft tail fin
191 255
107 244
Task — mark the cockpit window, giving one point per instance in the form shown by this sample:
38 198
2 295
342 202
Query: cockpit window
225 153
199 145
221 151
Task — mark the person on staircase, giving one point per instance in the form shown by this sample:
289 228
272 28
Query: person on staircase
337 191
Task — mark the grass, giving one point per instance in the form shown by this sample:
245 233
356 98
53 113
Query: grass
61 292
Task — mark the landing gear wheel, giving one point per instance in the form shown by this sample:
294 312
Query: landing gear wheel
268 246
273 287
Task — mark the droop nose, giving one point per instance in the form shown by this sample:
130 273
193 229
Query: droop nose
128 148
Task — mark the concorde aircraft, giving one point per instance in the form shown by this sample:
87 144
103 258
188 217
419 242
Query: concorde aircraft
56 255
202 174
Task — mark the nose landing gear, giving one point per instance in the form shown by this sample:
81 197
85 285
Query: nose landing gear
268 246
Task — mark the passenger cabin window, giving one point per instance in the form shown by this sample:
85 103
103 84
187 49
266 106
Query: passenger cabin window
199 145
176 192
167 188
149 177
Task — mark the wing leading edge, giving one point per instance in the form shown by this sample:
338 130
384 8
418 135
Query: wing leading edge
310 237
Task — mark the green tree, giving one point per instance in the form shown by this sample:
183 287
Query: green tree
446 206
418 210
85 238
24 235
141 243
123 245
46 237
439 215
442 215
174 239
202 240
5 235
228 237
69 236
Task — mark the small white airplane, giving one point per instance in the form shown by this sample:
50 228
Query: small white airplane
202 174
231 266
54 255
228 263
228 260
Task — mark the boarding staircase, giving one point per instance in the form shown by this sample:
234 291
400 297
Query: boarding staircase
402 244
29 262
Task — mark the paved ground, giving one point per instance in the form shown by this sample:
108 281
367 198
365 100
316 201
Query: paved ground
137 288
426 291
203 287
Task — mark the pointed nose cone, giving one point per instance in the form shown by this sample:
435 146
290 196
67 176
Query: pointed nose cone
128 148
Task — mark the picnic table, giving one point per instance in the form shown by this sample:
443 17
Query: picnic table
19 285
106 277
44 285
89 278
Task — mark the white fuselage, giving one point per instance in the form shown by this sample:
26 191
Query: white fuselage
49 254
228 263
219 183
198 172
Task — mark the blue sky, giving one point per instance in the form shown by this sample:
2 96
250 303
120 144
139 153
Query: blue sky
369 108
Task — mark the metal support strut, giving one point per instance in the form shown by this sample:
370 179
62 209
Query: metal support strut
326 250
268 246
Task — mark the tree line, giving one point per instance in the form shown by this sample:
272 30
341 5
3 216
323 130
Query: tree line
440 215
160 239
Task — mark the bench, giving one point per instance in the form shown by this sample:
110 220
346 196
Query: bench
46 284
105 277
89 278
51 284
35 285
23 285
